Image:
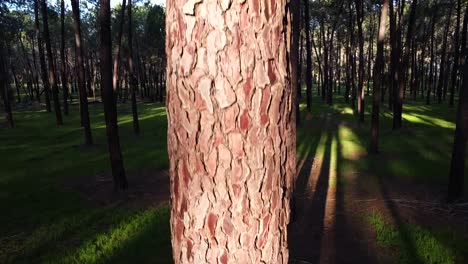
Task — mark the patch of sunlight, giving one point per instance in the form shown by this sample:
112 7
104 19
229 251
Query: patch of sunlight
127 119
317 162
347 110
105 245
352 148
428 120
328 239
415 243
302 106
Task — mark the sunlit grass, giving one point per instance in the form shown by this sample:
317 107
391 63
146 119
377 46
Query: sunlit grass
417 244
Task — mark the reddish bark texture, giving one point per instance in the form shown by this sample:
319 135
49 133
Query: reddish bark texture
231 133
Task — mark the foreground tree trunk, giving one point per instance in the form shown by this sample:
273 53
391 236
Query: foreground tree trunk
231 131
50 60
81 74
378 77
457 166
110 109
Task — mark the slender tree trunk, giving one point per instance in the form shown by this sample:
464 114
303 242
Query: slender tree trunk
361 99
62 57
5 87
110 110
115 77
431 66
133 80
85 122
231 148
308 74
45 80
456 52
352 57
403 69
378 69
50 59
457 166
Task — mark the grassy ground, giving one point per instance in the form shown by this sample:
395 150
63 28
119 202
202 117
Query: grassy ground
42 222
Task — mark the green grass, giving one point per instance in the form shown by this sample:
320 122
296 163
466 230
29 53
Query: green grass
40 218
42 222
417 244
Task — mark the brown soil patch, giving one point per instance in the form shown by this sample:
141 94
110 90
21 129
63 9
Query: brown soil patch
147 188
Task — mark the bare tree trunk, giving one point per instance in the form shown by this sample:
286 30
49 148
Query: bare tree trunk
50 59
5 87
431 66
457 166
115 77
231 132
403 69
133 80
62 57
85 122
360 90
456 56
378 68
308 74
45 80
110 110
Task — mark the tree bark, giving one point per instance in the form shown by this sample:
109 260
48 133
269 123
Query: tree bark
45 80
5 88
85 122
110 109
50 60
403 69
361 99
457 166
115 77
378 69
131 72
62 57
456 56
231 131
308 74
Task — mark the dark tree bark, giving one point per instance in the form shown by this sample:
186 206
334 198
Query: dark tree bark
403 69
62 57
361 99
442 77
110 109
378 77
5 88
50 60
431 65
456 56
45 80
457 166
131 72
308 73
115 77
85 122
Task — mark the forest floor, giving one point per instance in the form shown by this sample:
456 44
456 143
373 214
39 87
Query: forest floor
58 206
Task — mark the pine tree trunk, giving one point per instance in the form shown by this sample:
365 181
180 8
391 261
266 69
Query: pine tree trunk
62 57
456 52
85 122
45 80
378 77
133 80
110 109
360 90
308 73
231 131
50 60
115 77
5 87
457 166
